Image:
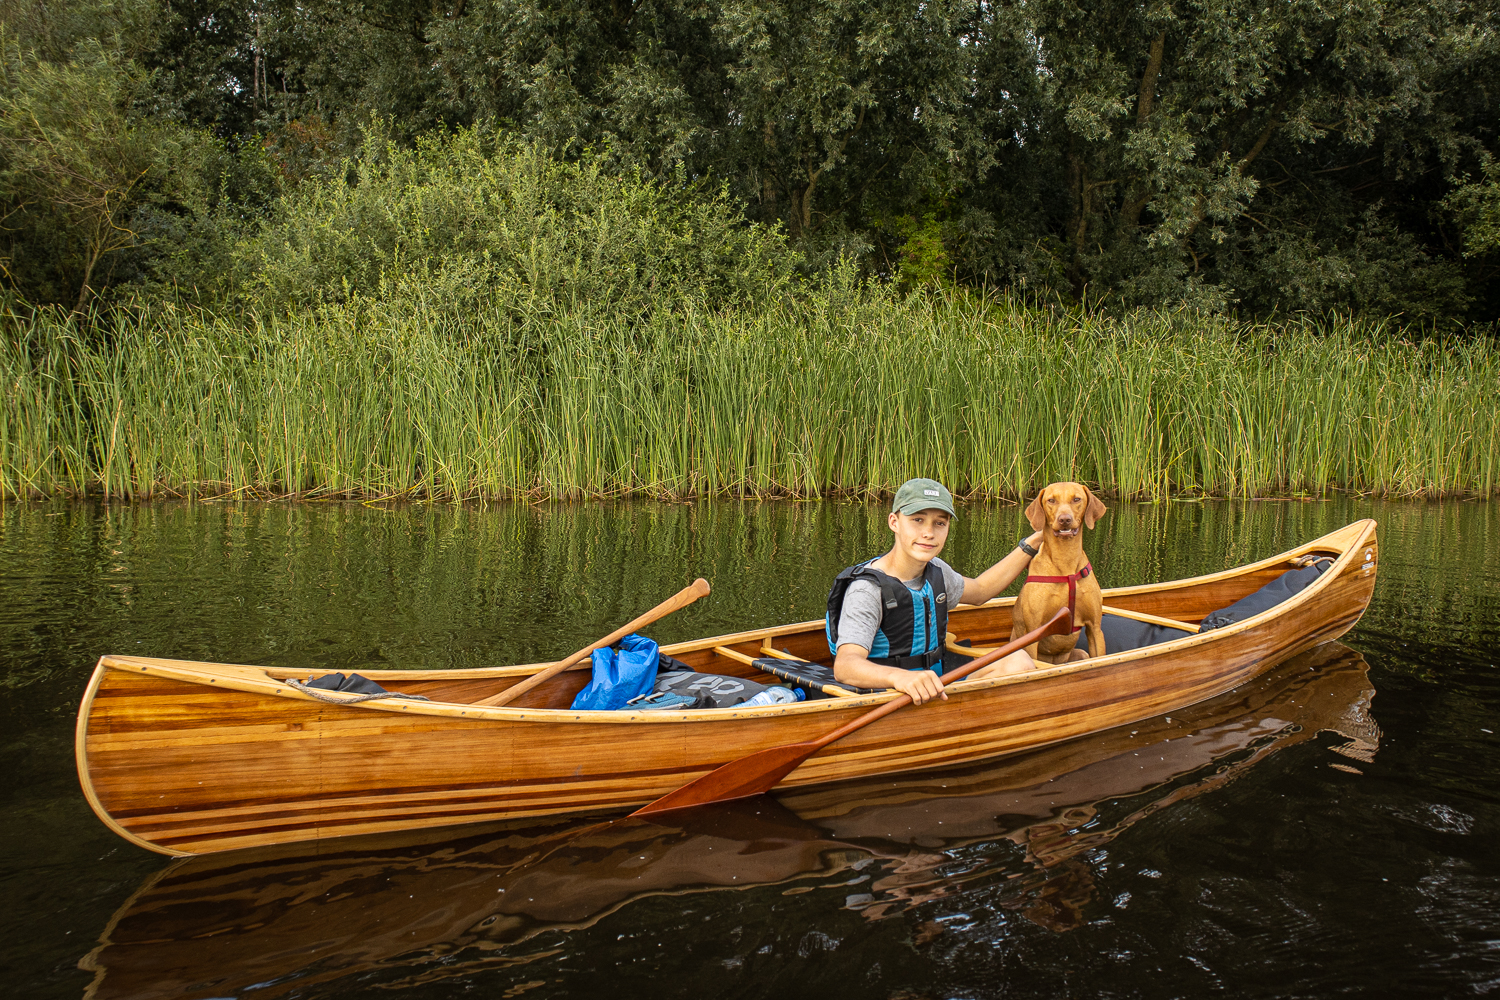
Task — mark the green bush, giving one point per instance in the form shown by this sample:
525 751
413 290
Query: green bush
84 178
475 217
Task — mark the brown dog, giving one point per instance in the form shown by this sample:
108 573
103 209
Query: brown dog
1060 575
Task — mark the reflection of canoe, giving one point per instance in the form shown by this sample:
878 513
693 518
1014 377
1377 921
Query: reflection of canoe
287 918
1050 802
188 758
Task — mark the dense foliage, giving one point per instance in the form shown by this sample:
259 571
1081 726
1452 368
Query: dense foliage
1289 155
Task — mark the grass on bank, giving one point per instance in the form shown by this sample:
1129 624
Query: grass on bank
841 392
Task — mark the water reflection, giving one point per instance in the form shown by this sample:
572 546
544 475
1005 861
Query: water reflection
275 922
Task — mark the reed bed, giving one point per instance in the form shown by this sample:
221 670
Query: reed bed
843 393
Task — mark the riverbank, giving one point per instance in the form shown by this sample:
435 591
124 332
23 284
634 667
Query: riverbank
843 392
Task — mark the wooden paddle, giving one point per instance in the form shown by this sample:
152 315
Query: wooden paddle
760 771
687 595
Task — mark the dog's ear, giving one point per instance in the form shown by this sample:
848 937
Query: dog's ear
1094 510
1035 515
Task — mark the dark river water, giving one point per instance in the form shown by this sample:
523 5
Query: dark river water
1330 830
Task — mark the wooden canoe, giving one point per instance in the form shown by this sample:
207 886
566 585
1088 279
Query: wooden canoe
428 904
191 758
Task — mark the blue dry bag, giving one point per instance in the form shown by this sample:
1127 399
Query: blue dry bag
621 672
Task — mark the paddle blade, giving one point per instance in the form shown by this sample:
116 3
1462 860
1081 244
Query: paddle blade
739 779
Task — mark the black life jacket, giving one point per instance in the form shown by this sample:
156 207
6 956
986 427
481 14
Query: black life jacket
905 639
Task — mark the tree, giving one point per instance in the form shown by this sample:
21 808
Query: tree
77 167
1178 131
1270 156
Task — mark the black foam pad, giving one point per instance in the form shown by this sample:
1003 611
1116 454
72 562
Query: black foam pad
1280 589
811 677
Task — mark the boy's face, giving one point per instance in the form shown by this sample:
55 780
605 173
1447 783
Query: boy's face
920 535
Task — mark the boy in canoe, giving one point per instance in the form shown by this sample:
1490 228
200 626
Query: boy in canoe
888 617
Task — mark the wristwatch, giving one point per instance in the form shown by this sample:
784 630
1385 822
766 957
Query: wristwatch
1024 547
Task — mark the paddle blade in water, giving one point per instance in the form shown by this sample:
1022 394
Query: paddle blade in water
739 779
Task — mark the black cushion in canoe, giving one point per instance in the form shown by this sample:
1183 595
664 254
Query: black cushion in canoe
707 690
1280 589
813 678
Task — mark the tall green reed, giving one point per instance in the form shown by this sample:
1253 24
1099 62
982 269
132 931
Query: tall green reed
846 392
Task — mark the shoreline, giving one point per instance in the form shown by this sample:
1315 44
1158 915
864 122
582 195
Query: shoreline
875 497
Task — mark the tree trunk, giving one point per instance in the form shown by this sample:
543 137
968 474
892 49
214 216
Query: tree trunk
807 199
95 251
255 69
1139 195
1078 220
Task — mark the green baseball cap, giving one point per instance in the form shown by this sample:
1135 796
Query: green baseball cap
922 494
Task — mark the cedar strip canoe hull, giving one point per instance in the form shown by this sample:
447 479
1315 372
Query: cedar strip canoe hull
193 758
285 918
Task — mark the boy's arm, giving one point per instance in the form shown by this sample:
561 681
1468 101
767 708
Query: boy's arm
852 666
999 576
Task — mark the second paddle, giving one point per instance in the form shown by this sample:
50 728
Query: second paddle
687 595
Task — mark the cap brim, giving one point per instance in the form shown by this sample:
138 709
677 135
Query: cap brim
926 503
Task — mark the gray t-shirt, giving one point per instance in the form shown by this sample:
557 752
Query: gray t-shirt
860 619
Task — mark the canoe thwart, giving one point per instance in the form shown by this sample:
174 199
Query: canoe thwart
952 645
735 655
1141 616
767 649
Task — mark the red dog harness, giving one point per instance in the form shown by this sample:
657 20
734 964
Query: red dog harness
1072 581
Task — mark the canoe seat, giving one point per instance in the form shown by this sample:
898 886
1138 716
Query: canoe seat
814 678
818 681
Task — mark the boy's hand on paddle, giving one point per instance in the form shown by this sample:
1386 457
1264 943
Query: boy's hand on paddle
919 685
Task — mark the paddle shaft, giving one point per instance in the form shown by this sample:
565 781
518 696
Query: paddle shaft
759 772
687 595
944 679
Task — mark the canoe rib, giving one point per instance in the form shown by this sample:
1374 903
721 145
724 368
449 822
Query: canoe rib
186 758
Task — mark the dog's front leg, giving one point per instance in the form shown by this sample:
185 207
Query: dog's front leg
1096 639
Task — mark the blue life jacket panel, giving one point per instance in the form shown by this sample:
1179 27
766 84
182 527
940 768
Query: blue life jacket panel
907 638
